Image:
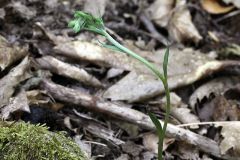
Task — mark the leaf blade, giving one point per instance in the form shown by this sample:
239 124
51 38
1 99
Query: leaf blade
165 62
156 123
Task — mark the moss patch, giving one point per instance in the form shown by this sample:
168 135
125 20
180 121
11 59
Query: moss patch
24 141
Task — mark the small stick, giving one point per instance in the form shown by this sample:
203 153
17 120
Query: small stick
208 123
150 27
79 98
61 68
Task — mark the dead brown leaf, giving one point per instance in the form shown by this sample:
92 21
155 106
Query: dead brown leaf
160 11
181 27
231 142
96 54
215 7
12 79
18 103
185 67
216 86
9 54
37 97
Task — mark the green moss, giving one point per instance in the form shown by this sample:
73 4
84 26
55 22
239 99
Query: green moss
24 141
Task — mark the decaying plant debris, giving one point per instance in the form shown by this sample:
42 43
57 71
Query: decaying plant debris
68 81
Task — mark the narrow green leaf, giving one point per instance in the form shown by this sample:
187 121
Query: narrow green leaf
114 48
165 62
156 123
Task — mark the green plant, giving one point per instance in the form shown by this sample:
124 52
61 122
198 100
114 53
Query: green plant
24 141
88 22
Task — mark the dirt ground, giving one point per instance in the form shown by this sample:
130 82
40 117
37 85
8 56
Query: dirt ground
68 81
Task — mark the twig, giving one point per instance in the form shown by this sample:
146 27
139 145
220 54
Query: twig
154 33
209 123
79 98
58 67
229 15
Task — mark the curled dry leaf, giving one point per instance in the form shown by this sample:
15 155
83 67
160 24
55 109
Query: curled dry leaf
96 54
185 67
176 19
160 11
217 86
231 139
215 6
12 79
61 68
9 54
18 103
37 97
181 27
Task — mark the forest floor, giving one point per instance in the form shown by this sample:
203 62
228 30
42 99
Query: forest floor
68 81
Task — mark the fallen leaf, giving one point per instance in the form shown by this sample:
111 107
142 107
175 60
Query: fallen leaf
12 79
18 103
219 109
216 86
98 55
37 97
231 139
184 68
181 27
215 7
160 11
9 54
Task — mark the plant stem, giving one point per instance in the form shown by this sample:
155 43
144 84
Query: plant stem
134 55
159 75
165 83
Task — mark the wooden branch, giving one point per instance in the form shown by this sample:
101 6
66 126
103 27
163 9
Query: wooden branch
77 97
61 68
